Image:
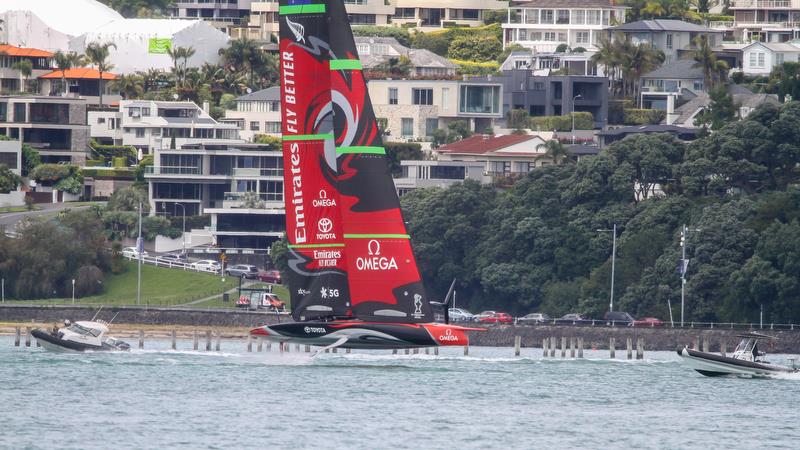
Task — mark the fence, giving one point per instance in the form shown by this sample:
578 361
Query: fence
161 262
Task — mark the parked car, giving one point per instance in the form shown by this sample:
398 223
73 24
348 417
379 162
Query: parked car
478 317
131 252
573 319
618 318
206 265
270 276
242 270
498 317
534 318
648 322
173 257
460 315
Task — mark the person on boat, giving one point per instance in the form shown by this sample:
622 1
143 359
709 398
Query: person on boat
755 352
55 329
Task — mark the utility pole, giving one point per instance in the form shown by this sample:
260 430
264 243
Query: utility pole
140 251
684 265
613 230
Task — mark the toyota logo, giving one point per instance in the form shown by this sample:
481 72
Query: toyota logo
325 225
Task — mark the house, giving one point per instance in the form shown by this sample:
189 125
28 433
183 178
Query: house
375 54
11 157
503 156
257 113
581 151
55 126
152 125
609 136
428 15
81 82
679 79
553 95
771 21
211 179
11 79
414 109
745 100
555 63
759 58
221 14
675 38
426 174
543 25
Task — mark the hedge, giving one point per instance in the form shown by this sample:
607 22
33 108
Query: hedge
644 116
583 121
109 173
476 68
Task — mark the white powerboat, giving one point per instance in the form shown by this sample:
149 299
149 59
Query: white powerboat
746 359
79 337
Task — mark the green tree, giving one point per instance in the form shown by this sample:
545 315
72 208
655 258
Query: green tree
130 86
401 151
437 42
518 119
97 54
721 110
475 48
556 151
140 8
8 180
714 71
30 159
245 55
180 60
65 61
648 160
25 68
459 129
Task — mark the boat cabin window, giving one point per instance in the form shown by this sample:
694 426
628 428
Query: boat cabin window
75 328
746 345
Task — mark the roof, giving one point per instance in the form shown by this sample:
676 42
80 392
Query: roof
419 57
80 73
664 25
781 47
71 17
581 149
484 143
569 3
682 69
753 334
648 129
11 50
144 27
264 95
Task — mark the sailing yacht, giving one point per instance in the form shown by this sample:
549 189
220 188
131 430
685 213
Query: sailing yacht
352 273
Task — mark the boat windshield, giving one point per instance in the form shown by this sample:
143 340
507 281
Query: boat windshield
75 328
746 345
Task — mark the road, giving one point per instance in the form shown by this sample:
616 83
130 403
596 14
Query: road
9 221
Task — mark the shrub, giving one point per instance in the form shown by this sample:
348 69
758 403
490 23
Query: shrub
476 68
89 281
475 48
120 162
583 121
437 42
401 151
644 116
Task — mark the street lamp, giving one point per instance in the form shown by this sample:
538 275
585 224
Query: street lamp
573 116
613 260
73 291
140 251
684 264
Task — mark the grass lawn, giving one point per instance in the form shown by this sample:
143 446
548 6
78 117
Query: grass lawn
161 286
15 209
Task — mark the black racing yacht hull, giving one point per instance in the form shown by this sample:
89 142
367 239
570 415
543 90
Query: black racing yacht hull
712 365
366 335
53 342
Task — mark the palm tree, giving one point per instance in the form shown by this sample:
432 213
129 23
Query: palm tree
245 54
129 86
642 59
179 68
64 62
25 68
97 54
607 56
714 70
556 151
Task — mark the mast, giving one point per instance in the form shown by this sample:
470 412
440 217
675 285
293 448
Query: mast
384 281
317 266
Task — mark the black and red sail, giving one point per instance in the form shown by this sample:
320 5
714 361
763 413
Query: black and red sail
384 281
314 228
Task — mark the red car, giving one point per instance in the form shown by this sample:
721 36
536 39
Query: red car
270 276
499 317
648 322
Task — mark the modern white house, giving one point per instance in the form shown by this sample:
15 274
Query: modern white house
681 79
154 125
503 155
771 21
427 15
759 58
675 38
433 173
375 52
257 113
543 25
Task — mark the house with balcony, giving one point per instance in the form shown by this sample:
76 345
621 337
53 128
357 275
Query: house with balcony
766 20
543 25
81 82
427 174
376 54
546 63
675 38
150 125
11 79
55 126
503 156
223 14
428 15
759 58
257 113
211 179
414 109
681 79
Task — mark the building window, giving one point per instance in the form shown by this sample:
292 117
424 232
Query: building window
275 106
500 167
536 36
407 128
582 37
669 41
139 132
392 96
578 17
549 36
272 127
523 166
698 85
779 58
480 99
593 17
531 16
361 19
404 13
547 16
470 14
422 96
563 17
445 97
760 59
146 112
253 126
134 112
431 125
562 37
538 86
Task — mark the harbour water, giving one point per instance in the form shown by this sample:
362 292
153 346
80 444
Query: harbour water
159 398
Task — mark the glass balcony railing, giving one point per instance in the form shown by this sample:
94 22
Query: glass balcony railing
257 172
172 170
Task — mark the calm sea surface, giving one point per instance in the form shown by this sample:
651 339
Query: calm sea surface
158 398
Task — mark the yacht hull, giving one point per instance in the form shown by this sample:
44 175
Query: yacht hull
366 335
713 365
51 342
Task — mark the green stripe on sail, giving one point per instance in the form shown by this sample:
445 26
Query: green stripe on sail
315 245
361 149
307 137
340 64
377 236
301 9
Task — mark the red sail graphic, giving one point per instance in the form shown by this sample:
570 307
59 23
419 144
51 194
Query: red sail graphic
318 276
383 277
